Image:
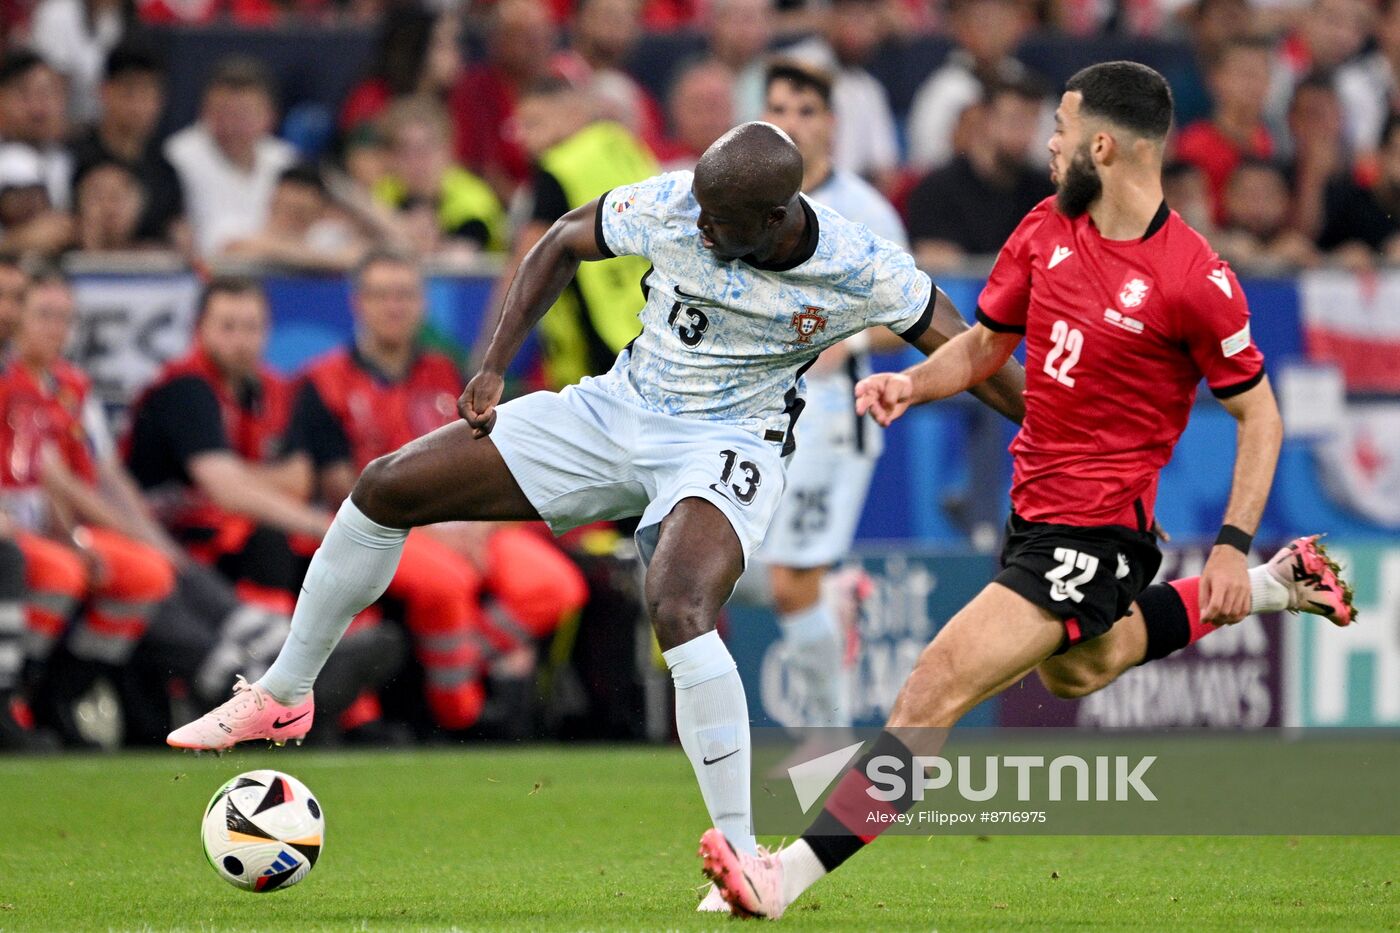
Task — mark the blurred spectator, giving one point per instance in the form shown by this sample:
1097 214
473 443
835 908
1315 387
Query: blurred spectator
1361 222
132 97
365 157
1370 86
29 223
34 118
303 231
1211 25
75 36
440 205
207 446
1258 211
986 33
578 157
15 735
701 110
370 398
603 36
107 214
1329 35
973 204
1239 81
13 282
229 161
81 546
1319 149
419 55
520 50
1186 191
738 33
866 142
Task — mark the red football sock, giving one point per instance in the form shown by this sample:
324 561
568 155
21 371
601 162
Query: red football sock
1189 589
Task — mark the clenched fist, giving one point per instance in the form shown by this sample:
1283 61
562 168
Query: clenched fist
477 404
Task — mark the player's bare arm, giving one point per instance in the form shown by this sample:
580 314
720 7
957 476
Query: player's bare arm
1225 595
961 358
540 279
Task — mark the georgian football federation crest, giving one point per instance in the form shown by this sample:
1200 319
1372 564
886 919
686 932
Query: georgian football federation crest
807 322
1133 293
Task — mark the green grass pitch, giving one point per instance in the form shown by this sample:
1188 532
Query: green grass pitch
546 838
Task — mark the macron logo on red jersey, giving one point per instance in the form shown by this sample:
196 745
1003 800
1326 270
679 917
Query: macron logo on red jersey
1060 254
1222 281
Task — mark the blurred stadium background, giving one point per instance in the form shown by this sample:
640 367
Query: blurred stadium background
149 148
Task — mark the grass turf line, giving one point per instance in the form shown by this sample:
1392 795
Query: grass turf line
544 838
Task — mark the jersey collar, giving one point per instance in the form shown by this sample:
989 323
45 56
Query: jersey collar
805 250
379 375
1159 220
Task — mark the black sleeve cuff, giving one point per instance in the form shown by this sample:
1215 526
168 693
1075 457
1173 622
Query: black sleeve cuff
1238 388
994 325
916 330
598 227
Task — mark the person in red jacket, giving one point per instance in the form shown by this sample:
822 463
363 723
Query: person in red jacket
470 592
79 547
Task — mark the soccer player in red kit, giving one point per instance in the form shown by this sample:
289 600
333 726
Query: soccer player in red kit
1124 309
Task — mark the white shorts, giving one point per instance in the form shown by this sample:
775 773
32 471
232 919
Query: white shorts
585 455
828 478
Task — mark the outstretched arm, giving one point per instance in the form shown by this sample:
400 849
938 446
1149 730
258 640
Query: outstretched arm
960 358
539 280
1225 595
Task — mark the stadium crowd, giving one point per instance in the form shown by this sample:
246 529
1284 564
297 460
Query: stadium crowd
164 561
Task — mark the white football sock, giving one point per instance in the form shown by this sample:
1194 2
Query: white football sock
712 719
816 657
801 869
1267 594
350 570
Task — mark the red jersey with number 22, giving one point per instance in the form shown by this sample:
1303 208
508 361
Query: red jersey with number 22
1118 335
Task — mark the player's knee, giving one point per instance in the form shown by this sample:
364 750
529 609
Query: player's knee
1070 681
679 614
385 493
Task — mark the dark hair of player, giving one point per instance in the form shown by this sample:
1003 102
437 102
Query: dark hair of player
800 75
1126 94
236 285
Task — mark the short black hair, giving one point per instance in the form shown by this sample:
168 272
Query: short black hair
803 76
132 58
242 73
304 174
226 285
1257 164
87 169
1392 126
1126 94
19 62
1025 86
382 255
548 86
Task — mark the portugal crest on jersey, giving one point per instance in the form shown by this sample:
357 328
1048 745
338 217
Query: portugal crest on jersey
807 322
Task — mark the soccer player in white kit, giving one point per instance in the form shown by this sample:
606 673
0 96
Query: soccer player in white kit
829 473
689 430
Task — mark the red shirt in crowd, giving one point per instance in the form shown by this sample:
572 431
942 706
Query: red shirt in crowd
1217 156
348 410
39 413
1118 334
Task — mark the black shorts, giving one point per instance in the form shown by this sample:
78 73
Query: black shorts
1088 576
